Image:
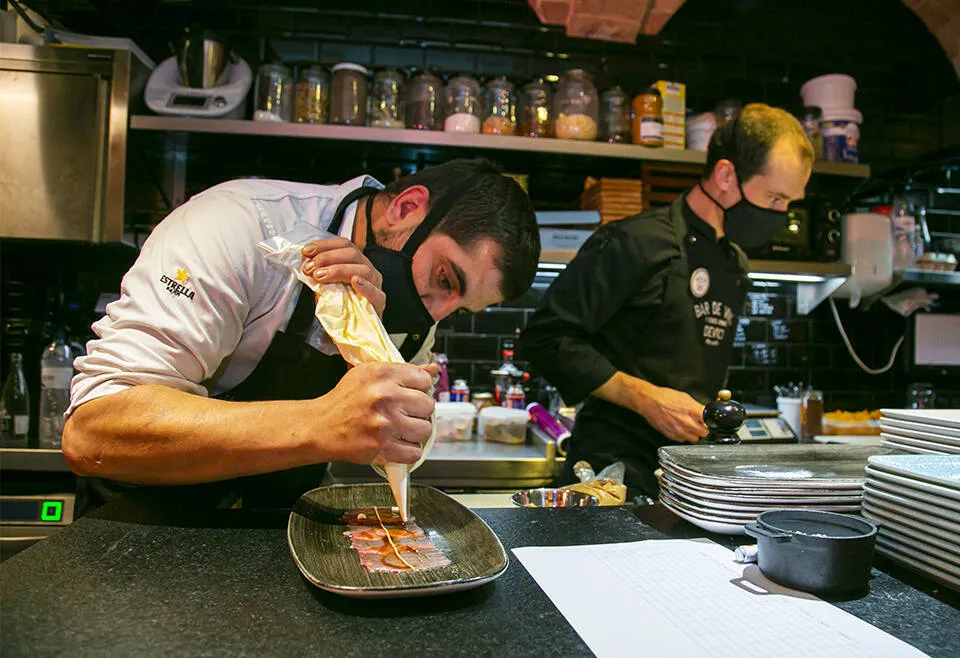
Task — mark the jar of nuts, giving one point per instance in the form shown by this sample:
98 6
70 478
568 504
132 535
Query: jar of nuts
575 107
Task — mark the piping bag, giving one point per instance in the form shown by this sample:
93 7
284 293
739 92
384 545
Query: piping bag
356 330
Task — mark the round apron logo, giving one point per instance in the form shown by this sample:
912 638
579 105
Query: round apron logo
700 282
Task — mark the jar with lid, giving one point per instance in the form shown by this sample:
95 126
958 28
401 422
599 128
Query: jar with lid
615 116
274 93
463 105
648 118
812 115
313 95
535 100
575 107
499 107
386 99
348 95
425 102
811 414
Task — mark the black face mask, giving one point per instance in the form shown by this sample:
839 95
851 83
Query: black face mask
747 224
405 312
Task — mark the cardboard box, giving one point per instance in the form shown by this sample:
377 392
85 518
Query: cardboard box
674 113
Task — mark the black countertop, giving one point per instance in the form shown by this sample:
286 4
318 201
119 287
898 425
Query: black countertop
136 580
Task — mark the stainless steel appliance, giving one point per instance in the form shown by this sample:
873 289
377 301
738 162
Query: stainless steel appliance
63 133
813 233
36 497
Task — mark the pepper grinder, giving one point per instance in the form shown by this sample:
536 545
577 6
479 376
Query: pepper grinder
723 418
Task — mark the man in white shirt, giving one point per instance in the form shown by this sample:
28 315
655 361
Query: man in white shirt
210 367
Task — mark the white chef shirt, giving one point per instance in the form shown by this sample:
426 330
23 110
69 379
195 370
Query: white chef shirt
201 304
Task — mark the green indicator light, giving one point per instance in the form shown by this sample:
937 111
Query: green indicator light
52 510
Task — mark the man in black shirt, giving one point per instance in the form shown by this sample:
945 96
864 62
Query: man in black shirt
640 324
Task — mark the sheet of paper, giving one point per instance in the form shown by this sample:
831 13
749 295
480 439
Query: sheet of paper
689 598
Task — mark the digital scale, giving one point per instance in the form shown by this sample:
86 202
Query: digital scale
25 520
764 424
165 94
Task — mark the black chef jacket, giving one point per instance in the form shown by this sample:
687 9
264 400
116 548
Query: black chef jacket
655 296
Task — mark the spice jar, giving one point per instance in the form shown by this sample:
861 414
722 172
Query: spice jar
386 99
615 116
499 113
425 102
811 414
535 99
575 107
462 100
274 93
812 115
648 118
348 95
313 95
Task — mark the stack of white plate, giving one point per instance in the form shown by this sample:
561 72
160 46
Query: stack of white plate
722 488
921 431
915 499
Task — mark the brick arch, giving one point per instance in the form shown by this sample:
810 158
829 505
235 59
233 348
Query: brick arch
942 18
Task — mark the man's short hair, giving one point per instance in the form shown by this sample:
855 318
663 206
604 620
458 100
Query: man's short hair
748 140
494 207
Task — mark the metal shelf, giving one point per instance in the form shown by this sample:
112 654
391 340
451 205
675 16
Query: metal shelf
447 140
32 459
929 277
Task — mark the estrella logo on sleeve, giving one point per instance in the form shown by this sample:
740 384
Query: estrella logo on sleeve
176 285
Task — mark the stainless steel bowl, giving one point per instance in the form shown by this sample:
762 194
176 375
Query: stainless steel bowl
553 498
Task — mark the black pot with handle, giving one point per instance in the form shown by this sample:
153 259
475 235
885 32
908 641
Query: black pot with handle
814 551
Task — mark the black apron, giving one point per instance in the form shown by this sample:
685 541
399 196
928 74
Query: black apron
290 369
673 342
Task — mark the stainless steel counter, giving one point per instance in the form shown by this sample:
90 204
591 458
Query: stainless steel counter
477 464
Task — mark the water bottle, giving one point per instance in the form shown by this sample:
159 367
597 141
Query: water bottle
904 226
56 371
15 406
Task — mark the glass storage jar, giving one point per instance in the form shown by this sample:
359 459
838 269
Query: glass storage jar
462 100
615 116
535 99
387 98
648 118
313 95
425 102
274 93
499 102
348 95
575 107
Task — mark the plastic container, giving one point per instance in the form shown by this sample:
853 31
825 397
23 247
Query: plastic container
576 107
499 103
503 425
789 408
348 95
833 91
841 135
535 117
425 102
274 93
700 128
387 92
462 99
812 119
313 95
455 421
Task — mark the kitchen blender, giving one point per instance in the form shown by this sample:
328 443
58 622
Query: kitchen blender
203 79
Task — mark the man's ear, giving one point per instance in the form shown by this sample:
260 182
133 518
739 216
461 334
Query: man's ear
411 203
725 175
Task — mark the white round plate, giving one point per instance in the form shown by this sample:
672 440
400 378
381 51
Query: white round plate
919 431
937 417
898 517
760 484
908 539
940 502
902 449
943 470
910 483
807 497
895 501
926 444
927 567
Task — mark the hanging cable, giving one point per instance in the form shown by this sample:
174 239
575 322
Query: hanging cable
846 341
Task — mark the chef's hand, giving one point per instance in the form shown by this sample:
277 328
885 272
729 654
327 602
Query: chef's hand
674 414
379 412
338 260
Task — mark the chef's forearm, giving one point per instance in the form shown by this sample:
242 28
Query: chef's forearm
627 391
162 436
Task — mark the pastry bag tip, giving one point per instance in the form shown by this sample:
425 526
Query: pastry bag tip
398 475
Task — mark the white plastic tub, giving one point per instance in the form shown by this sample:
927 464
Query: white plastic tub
700 129
503 425
455 421
835 90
